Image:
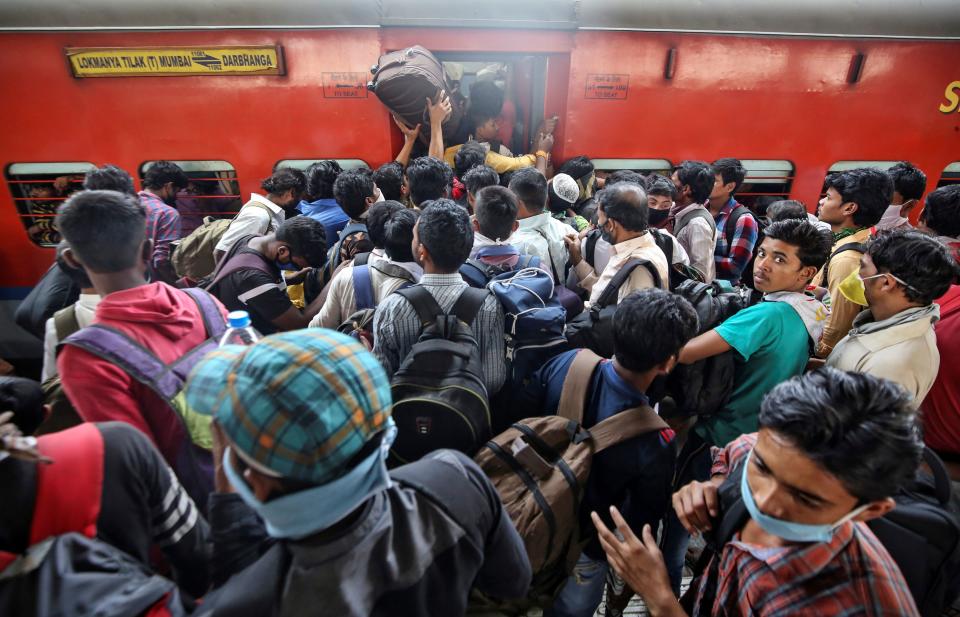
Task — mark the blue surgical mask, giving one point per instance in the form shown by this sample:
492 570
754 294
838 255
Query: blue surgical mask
792 532
310 511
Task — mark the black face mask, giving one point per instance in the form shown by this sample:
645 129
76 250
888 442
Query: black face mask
657 217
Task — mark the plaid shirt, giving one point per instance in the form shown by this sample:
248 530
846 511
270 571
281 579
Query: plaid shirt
163 227
732 255
853 574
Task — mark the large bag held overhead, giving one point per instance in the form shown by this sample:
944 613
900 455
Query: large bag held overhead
439 397
403 81
540 467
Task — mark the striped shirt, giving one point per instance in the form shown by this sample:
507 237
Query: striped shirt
733 254
396 328
852 574
163 227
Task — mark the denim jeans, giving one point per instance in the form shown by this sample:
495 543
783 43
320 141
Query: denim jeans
693 463
581 594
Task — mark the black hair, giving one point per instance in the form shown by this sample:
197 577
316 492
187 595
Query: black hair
626 175
286 179
486 101
641 312
444 230
428 178
92 220
909 181
24 397
625 203
110 178
496 211
306 237
351 190
659 185
869 188
377 218
786 209
398 234
942 211
480 177
577 168
77 275
699 177
389 179
506 177
162 172
813 243
861 429
730 170
470 155
320 178
924 263
530 187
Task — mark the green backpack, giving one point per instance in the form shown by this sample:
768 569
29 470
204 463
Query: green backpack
192 256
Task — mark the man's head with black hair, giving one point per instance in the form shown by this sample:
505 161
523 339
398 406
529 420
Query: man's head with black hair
671 316
790 255
355 191
389 179
626 175
909 183
941 214
377 218
110 178
530 187
285 187
856 198
398 234
728 175
77 275
486 103
495 213
832 441
320 178
478 178
661 192
443 237
694 182
93 220
921 268
164 179
302 241
24 397
786 209
471 154
622 212
428 178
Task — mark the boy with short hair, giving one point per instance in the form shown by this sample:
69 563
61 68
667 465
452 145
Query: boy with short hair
691 222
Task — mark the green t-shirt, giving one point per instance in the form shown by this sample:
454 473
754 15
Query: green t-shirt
771 345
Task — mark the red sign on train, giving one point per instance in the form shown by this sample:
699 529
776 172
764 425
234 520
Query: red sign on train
345 85
607 86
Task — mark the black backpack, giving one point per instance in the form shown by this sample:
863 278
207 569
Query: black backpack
702 388
439 397
593 328
746 277
678 272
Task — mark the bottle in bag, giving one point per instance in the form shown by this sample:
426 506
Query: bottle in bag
239 331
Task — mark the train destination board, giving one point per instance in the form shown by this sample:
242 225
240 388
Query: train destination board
175 61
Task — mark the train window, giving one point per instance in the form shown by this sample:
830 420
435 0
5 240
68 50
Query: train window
951 175
302 164
767 180
847 165
644 166
213 190
38 189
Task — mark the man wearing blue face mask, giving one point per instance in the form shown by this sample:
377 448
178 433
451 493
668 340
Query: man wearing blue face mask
308 519
785 509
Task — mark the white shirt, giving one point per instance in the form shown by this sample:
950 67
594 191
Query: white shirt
252 221
601 252
700 241
86 308
341 300
642 247
542 235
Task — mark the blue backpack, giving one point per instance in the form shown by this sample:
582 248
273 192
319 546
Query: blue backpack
534 321
477 274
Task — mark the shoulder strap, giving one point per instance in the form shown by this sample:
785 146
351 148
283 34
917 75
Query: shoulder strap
474 273
664 243
468 305
122 351
591 246
730 229
626 425
553 264
941 477
213 321
363 287
241 261
423 303
528 261
361 259
65 322
576 385
610 292
698 213
849 246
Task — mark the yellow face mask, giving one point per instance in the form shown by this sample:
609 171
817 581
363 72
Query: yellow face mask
852 288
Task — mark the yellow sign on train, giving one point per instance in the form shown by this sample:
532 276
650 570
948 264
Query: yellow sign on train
175 61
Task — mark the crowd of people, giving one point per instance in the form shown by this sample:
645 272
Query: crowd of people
261 480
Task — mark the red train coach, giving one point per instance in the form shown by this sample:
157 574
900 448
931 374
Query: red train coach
233 88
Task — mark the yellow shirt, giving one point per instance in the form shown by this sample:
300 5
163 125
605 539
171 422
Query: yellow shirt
499 163
843 311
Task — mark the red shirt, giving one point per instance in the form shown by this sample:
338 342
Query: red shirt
161 318
941 407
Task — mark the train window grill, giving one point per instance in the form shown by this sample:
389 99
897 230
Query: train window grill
302 164
767 179
38 189
951 175
644 166
213 190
